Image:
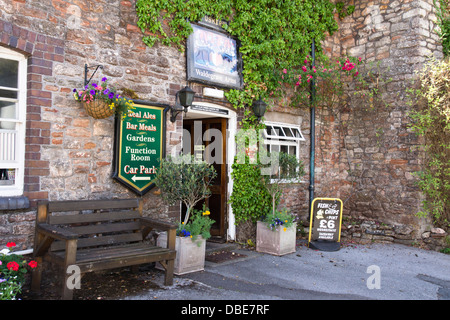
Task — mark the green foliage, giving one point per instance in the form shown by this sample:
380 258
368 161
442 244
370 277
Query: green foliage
199 225
283 219
184 178
343 12
249 199
431 120
287 170
443 21
273 35
13 268
103 91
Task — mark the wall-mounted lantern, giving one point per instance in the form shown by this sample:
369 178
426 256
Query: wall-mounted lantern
185 97
259 108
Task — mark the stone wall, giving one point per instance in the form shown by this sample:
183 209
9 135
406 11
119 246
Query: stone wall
68 154
366 153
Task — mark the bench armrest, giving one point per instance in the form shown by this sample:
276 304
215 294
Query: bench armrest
157 224
55 232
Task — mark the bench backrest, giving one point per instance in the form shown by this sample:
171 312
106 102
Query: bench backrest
98 222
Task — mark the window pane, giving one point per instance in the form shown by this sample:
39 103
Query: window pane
7 176
7 146
269 130
8 73
288 132
296 133
8 94
7 111
279 131
292 150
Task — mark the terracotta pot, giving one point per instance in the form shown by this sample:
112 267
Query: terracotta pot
98 109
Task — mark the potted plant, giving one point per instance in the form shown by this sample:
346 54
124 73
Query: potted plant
276 231
187 179
101 100
12 272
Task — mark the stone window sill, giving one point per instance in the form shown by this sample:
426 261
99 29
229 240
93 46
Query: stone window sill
14 203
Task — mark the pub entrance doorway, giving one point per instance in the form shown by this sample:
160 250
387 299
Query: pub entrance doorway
208 142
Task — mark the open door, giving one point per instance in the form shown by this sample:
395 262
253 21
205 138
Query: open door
210 146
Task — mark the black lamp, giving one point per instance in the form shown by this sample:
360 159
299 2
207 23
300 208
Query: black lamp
186 96
259 108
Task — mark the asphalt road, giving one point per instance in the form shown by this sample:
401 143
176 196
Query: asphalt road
370 272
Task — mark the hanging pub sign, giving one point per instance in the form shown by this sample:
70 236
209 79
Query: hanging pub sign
140 145
213 57
325 224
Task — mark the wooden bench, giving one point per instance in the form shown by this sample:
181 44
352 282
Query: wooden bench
97 235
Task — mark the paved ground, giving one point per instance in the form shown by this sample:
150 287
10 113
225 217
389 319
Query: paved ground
376 271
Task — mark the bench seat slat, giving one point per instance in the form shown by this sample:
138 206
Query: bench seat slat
73 205
106 228
100 241
107 253
94 217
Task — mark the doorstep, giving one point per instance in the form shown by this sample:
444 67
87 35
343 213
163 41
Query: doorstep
230 248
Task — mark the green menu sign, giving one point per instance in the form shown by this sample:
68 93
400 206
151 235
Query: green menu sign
140 145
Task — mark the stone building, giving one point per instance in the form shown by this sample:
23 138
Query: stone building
365 156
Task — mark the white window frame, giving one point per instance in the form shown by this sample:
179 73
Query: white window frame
18 163
283 139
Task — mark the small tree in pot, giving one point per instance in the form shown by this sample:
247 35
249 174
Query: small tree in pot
276 232
186 179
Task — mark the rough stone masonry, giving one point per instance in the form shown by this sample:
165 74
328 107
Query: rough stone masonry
366 155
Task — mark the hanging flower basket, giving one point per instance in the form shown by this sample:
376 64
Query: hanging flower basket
98 109
101 101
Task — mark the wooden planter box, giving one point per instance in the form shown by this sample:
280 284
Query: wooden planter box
275 242
190 255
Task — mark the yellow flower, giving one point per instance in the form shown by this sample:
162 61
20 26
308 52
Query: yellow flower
182 222
285 221
206 213
190 236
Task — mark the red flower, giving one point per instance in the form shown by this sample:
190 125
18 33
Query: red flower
11 244
14 266
32 264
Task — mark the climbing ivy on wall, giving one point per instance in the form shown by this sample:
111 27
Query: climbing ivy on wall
442 8
274 35
431 120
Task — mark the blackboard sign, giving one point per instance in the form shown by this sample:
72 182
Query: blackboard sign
140 145
325 223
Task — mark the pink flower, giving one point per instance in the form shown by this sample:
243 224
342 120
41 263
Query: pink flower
314 69
300 77
306 61
359 59
284 71
298 83
356 73
304 68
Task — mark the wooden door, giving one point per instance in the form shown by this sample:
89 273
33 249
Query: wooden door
210 145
